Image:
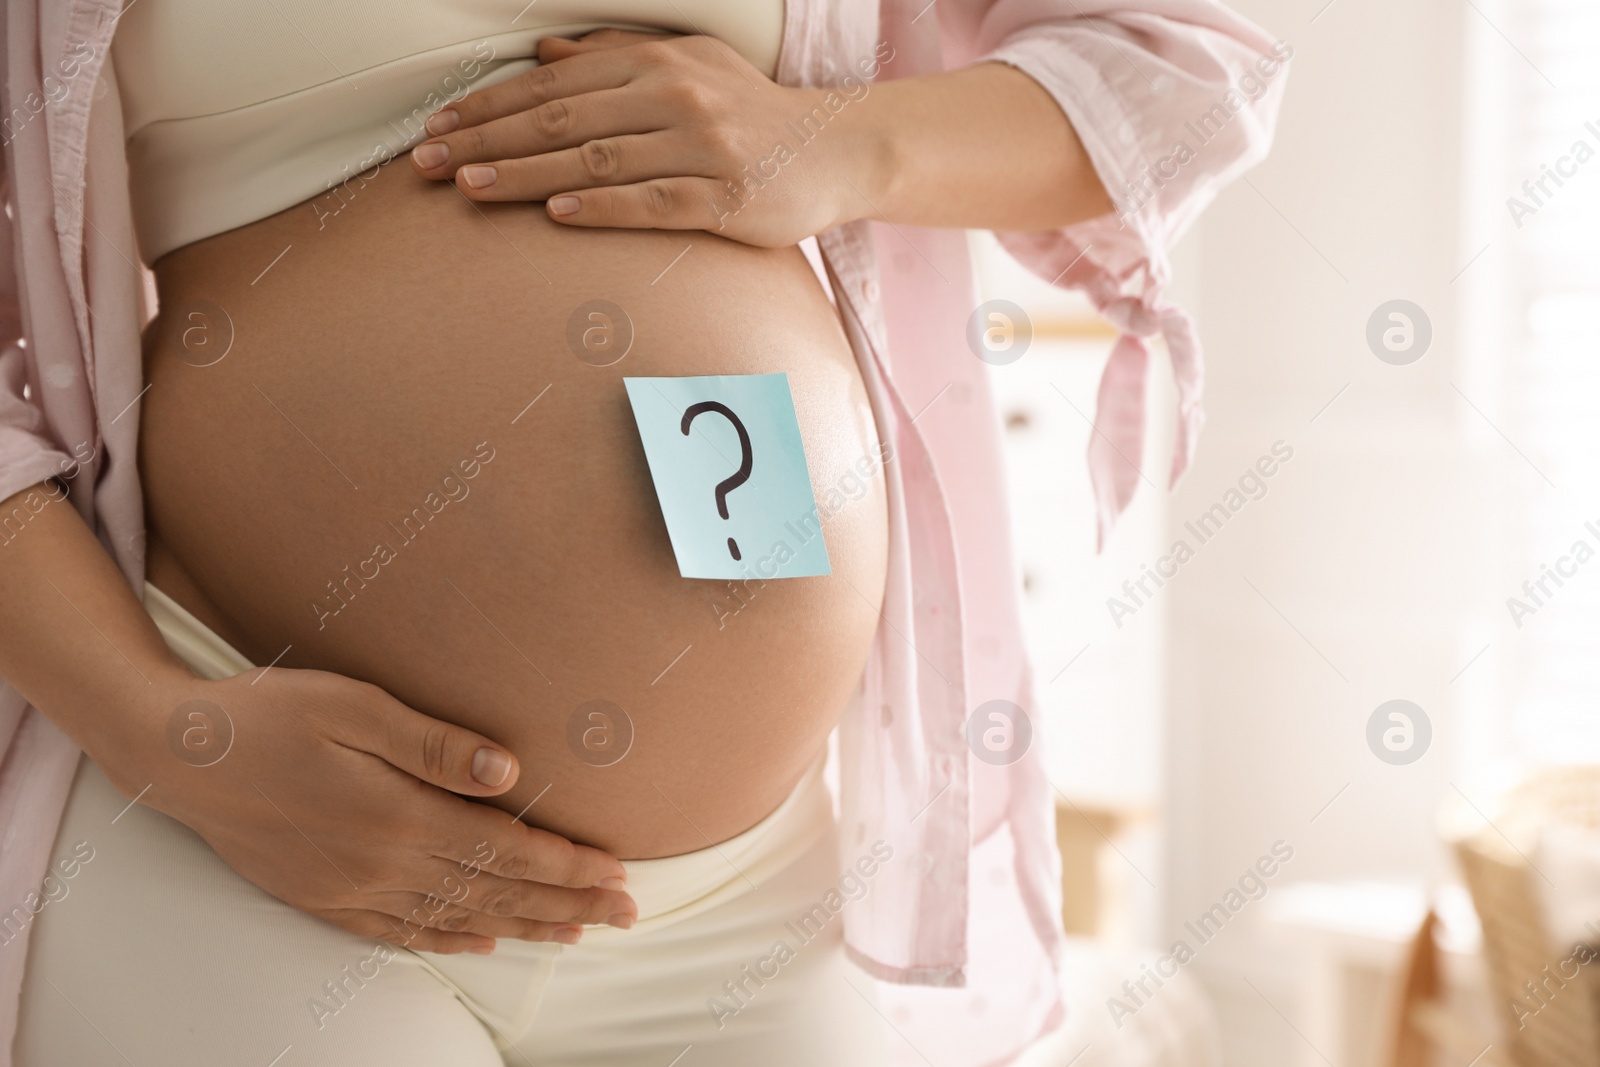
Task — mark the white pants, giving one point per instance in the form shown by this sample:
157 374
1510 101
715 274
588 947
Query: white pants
154 952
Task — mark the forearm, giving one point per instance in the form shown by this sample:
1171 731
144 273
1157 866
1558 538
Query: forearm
74 640
984 147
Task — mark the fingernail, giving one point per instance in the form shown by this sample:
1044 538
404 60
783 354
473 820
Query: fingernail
564 205
431 155
479 177
443 121
613 882
567 935
482 950
622 920
490 766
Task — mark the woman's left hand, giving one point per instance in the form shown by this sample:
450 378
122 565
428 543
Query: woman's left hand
649 131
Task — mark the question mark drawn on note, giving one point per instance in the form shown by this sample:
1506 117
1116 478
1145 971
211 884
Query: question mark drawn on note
738 477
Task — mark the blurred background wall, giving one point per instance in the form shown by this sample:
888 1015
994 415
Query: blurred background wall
1417 482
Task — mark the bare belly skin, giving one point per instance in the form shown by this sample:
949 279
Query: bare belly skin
375 391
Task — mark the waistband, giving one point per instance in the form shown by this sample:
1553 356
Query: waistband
505 989
207 655
673 888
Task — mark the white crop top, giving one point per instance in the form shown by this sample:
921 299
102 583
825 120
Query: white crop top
235 111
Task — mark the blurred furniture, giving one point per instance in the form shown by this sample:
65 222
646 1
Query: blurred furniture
1420 985
1091 884
1359 940
1547 1001
1424 1023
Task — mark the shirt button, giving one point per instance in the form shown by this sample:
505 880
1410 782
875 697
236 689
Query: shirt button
869 290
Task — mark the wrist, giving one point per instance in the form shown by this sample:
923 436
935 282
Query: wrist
132 731
864 155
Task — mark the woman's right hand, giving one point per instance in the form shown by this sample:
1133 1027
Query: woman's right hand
326 792
343 802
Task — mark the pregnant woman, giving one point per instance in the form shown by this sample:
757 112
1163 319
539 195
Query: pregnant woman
368 719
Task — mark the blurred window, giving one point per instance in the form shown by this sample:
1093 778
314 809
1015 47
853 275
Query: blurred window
1548 281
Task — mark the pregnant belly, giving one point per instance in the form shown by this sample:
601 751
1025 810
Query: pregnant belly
368 440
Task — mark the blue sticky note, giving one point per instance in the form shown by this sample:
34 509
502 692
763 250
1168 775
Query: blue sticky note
729 471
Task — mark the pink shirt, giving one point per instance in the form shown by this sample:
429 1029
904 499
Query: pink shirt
969 903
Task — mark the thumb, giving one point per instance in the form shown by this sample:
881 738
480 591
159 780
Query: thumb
435 751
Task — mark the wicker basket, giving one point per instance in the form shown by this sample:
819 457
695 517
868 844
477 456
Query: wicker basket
1561 1026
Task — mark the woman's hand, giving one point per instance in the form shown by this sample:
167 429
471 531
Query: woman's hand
644 131
655 132
342 802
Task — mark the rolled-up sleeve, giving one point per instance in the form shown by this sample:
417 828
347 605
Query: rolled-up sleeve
28 454
1172 100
